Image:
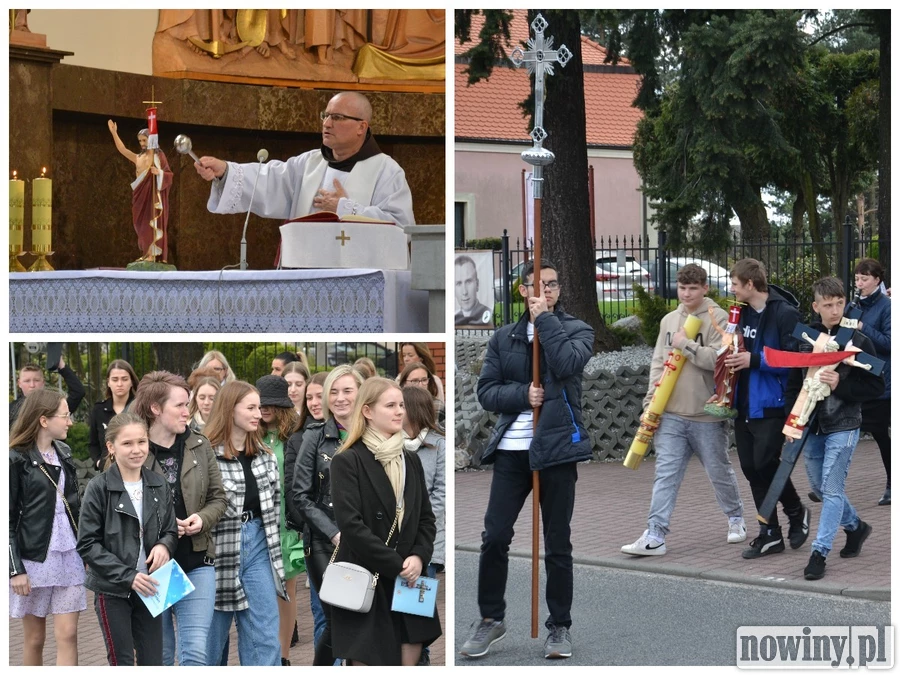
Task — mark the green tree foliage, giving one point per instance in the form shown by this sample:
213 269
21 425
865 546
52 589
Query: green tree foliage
752 103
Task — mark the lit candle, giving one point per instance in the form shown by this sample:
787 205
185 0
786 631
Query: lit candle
16 212
41 211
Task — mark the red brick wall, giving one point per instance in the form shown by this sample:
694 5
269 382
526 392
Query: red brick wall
439 354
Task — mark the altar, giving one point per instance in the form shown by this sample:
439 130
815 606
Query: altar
231 301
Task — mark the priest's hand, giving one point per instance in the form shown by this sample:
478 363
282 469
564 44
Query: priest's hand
210 167
328 201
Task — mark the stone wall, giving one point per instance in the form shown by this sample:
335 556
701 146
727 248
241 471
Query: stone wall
612 403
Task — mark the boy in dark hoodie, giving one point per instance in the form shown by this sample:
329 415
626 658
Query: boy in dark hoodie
768 321
834 431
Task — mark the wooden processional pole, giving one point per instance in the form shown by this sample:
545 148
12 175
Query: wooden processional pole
539 58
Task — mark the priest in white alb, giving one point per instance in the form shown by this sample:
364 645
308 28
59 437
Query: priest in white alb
349 175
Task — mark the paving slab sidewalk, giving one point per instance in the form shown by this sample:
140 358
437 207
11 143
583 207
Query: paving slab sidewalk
611 508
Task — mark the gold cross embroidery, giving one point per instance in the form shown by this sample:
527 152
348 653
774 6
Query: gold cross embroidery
343 238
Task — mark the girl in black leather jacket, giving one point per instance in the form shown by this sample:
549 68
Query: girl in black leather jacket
46 573
127 531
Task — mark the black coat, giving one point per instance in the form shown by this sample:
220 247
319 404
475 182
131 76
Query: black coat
32 503
109 529
364 507
311 485
295 519
566 346
101 414
842 409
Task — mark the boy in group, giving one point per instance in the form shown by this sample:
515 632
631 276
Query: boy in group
31 378
685 428
516 449
768 321
834 431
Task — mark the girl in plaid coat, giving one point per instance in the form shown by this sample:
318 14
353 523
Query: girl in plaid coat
249 570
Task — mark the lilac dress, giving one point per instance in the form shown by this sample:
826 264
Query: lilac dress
57 584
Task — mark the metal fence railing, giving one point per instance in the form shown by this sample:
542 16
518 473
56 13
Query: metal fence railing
622 261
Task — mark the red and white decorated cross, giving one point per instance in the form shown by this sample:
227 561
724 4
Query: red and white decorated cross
152 130
153 140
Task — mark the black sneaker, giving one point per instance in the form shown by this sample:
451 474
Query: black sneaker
813 497
799 529
816 567
855 540
767 542
886 497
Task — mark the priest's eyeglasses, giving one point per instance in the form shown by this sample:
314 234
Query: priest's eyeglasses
552 285
337 117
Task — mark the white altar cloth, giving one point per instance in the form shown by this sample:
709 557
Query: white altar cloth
233 301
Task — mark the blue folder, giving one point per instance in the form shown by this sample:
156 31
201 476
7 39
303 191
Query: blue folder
420 599
173 586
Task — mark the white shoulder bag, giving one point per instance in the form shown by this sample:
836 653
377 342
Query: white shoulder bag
349 586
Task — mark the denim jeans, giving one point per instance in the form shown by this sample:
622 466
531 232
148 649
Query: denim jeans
318 614
675 441
510 487
257 626
193 614
827 463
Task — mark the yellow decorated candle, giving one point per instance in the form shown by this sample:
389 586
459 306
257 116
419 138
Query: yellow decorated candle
41 213
16 212
651 418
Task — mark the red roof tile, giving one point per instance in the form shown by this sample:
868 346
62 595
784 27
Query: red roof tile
489 110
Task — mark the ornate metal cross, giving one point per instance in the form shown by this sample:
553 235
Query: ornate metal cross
539 59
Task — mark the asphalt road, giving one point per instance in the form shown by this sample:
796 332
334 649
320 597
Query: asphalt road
621 617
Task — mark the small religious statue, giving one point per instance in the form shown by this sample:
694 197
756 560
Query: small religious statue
149 197
721 404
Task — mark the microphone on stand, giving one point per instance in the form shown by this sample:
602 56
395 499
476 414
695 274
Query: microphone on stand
261 156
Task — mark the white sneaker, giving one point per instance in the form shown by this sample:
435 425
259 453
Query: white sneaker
646 545
737 531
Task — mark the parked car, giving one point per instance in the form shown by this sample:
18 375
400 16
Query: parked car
615 281
718 277
513 278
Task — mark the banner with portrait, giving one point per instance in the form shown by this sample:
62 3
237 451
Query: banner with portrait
473 275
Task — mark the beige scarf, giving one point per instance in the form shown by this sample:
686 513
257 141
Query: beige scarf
389 452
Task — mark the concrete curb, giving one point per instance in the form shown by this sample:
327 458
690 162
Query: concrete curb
638 564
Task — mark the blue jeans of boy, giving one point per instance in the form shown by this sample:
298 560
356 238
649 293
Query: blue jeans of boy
193 614
257 626
827 463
